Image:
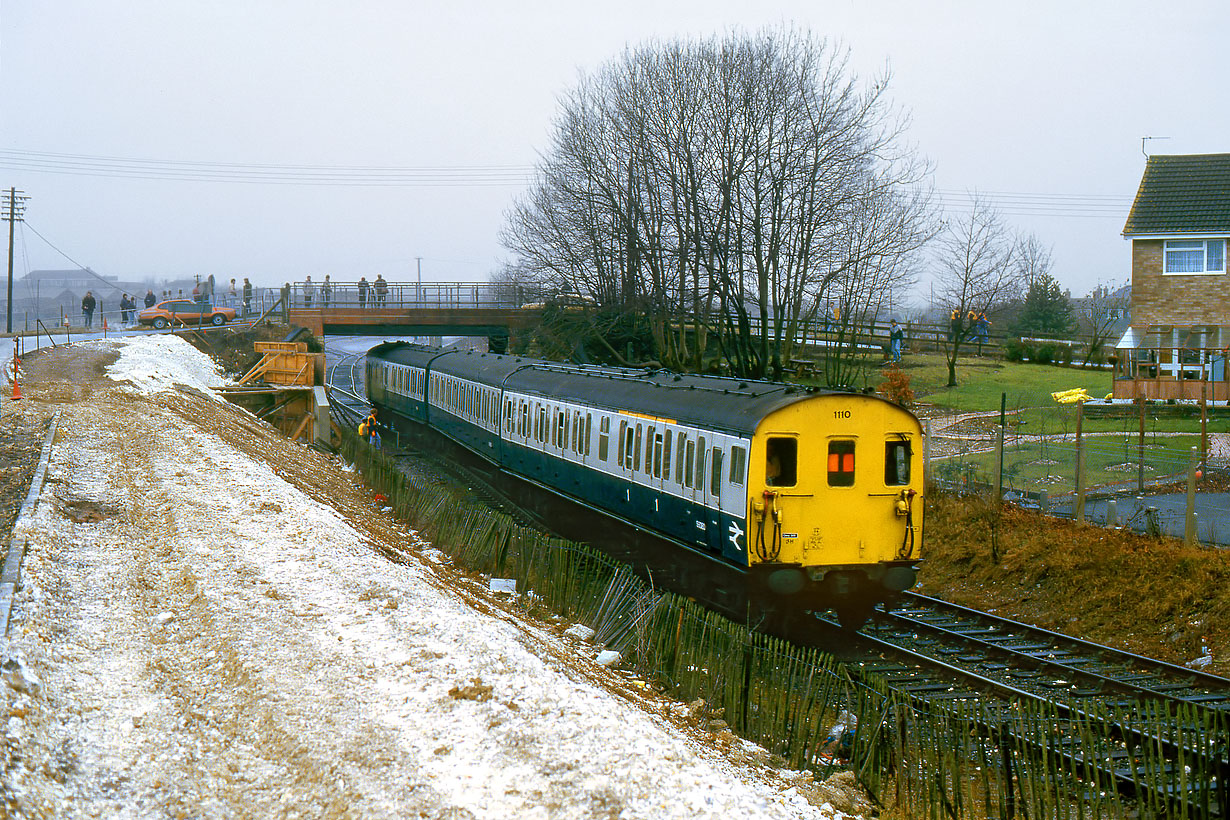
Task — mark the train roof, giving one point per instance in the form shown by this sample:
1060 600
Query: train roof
712 402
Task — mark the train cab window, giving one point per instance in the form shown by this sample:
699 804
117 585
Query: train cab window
781 462
604 437
715 474
896 463
738 465
841 463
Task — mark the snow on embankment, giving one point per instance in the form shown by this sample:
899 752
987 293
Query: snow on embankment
159 362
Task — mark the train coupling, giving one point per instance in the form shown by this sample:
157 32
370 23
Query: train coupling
904 502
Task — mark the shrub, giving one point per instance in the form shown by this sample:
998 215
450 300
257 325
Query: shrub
896 387
1015 350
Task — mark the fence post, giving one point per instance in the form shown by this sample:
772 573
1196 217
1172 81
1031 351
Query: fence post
927 457
1140 449
1189 531
1079 502
999 450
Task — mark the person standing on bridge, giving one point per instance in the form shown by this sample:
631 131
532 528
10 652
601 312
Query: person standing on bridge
382 289
363 291
247 296
87 308
326 291
309 290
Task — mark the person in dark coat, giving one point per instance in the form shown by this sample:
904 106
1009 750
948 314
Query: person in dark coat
150 298
87 308
363 286
247 296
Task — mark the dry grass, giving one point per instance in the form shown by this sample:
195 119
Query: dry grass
1150 596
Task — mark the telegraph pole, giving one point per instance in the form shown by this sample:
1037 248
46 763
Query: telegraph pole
419 294
14 207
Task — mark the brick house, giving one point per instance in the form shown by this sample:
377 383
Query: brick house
1176 346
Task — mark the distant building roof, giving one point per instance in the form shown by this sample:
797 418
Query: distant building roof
73 274
1182 194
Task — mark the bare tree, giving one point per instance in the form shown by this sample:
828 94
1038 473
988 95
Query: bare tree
723 188
976 257
1032 262
1097 316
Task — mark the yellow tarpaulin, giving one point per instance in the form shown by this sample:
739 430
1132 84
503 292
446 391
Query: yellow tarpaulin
1073 396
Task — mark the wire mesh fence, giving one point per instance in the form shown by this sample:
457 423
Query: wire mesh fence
1118 464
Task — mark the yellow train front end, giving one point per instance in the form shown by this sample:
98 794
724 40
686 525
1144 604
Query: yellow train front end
835 503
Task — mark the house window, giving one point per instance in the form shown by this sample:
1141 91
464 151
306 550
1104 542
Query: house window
1195 256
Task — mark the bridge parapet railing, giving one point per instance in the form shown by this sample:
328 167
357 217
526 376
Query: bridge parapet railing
410 295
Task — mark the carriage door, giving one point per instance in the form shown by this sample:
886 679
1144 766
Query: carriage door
715 462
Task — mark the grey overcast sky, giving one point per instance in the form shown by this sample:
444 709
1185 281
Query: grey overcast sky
151 135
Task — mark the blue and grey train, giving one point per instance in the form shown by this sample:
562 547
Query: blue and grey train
813 497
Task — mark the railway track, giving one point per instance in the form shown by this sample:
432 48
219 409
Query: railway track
936 652
1022 657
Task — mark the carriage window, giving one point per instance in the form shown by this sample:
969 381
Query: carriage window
841 463
781 462
649 439
625 445
896 463
682 439
636 448
561 430
588 428
657 455
701 452
715 474
689 461
666 456
604 437
738 464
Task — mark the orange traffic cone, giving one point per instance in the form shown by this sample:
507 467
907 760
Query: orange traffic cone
16 389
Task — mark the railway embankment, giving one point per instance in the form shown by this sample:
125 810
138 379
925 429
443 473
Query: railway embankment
223 623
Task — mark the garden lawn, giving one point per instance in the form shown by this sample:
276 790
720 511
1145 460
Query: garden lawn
981 381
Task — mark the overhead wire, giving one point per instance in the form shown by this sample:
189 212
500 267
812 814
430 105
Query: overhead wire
66 256
1015 203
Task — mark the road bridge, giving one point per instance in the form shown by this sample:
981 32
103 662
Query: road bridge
378 308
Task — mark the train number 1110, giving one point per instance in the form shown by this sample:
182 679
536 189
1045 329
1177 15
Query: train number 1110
841 414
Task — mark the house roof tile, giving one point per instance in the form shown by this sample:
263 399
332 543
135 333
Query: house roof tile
1182 194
